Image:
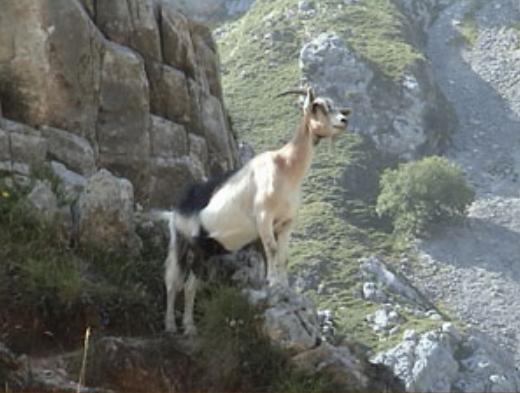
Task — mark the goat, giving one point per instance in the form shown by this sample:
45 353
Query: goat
259 201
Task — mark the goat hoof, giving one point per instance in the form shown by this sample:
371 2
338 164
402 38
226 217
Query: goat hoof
190 330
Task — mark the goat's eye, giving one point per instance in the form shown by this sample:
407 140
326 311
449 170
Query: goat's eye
316 106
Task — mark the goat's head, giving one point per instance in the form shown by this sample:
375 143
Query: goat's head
322 116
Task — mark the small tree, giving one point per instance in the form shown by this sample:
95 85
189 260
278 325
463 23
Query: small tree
420 193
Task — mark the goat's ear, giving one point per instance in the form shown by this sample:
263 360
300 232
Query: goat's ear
309 100
346 111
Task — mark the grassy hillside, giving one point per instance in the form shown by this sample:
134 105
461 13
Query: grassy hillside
336 225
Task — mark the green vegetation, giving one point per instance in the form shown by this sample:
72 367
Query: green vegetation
420 193
468 27
239 357
44 280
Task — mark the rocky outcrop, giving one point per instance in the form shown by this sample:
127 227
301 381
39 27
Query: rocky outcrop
106 219
212 10
96 87
447 360
407 118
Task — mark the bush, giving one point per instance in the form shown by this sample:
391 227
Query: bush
420 193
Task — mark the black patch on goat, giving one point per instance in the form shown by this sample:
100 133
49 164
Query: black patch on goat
197 196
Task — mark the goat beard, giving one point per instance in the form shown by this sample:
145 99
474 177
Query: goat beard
332 144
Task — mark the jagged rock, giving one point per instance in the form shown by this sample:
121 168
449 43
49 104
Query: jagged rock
131 23
346 369
407 116
64 74
43 200
169 178
384 319
372 292
72 182
290 319
106 209
5 152
124 119
23 147
168 139
446 360
177 45
169 95
374 269
198 149
52 75
212 10
217 137
70 149
208 74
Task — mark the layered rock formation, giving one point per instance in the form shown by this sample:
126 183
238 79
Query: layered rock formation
132 87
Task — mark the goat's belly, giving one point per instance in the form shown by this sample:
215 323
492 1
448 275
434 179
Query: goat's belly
233 231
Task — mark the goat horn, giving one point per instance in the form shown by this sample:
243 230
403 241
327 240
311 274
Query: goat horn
301 92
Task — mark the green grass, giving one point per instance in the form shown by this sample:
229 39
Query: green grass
468 27
44 281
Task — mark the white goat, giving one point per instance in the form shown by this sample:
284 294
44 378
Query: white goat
258 201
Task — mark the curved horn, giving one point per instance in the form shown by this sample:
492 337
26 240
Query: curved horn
301 92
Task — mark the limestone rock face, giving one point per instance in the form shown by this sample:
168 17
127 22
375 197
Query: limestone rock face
101 79
106 209
407 116
446 360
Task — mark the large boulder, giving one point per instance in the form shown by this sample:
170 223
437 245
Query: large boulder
22 148
50 64
131 23
72 150
124 116
106 209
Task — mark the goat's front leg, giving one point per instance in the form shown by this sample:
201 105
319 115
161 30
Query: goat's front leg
266 232
284 234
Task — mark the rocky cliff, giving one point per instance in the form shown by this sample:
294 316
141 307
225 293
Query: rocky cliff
133 87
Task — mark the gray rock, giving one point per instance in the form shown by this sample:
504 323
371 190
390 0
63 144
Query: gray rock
73 183
70 149
402 123
374 269
446 360
291 320
198 149
169 177
26 148
124 116
131 23
168 139
169 96
43 200
106 209
52 75
177 45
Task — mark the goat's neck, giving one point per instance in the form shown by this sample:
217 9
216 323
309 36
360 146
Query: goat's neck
299 152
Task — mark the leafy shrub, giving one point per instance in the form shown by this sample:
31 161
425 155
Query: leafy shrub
419 193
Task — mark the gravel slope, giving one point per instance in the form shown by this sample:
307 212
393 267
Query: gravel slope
474 269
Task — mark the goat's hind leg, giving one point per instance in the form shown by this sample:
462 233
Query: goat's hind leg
190 290
173 282
266 231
